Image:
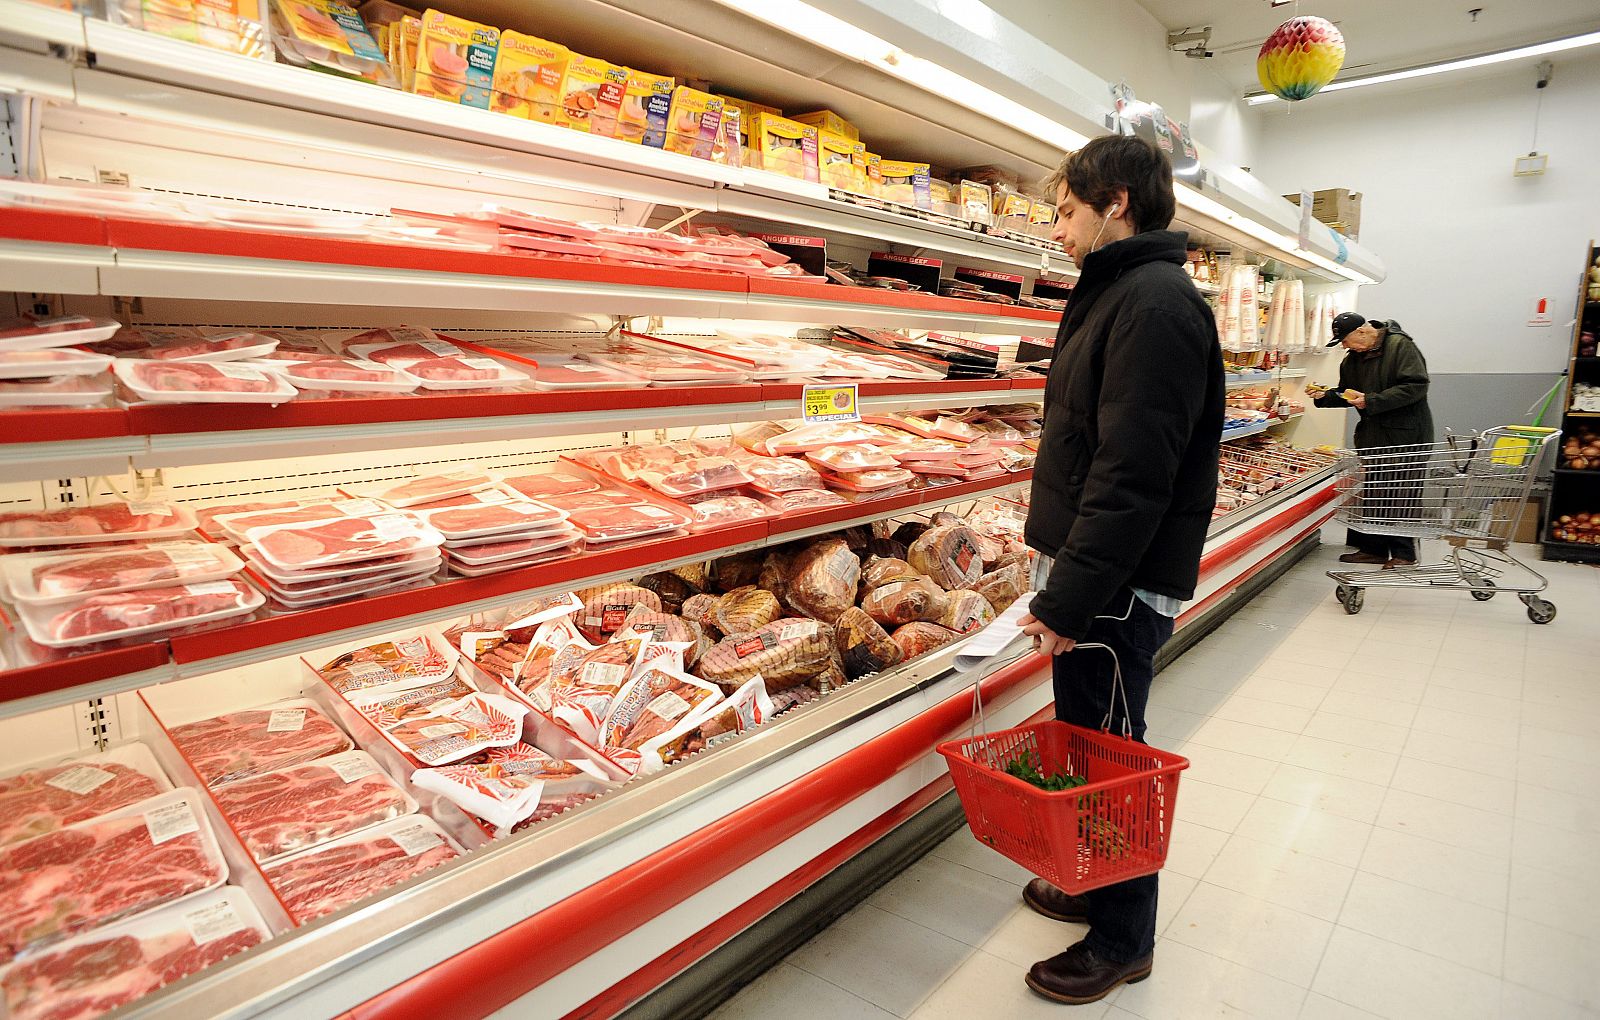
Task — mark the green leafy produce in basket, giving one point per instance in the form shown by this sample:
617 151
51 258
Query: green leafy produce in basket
1027 767
1100 836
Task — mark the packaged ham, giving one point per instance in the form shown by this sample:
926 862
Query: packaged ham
139 856
643 622
823 579
349 375
56 391
554 483
657 716
321 880
51 362
1003 585
108 522
238 745
864 646
235 526
402 663
31 333
192 383
46 798
468 522
817 435
948 554
425 489
612 524
802 500
131 614
511 785
307 805
903 601
783 653
965 611
745 609
93 973
575 372
44 578
871 481
606 607
328 543
860 457
920 638
725 510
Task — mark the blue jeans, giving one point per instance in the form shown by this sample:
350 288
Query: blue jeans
1122 917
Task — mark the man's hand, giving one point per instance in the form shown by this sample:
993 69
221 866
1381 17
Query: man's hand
1045 640
1356 399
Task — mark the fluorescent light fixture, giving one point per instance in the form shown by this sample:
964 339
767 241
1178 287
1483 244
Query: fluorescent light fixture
941 80
817 26
1483 60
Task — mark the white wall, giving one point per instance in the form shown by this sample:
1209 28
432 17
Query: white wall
1468 247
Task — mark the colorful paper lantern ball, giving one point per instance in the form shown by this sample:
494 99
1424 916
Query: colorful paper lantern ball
1300 58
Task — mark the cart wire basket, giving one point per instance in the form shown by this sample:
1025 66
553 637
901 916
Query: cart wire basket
1468 491
1116 827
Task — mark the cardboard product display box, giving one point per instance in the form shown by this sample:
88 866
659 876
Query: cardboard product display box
1339 208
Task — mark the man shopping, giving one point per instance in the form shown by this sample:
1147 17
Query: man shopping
1123 490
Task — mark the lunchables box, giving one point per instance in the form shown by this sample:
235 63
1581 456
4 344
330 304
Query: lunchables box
872 171
787 147
237 26
455 59
404 38
906 183
1008 203
747 113
646 104
836 162
727 149
527 77
591 95
694 122
329 36
827 120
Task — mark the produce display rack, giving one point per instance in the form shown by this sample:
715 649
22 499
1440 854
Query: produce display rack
590 911
1574 492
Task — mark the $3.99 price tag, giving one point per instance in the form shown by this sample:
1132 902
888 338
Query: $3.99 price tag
830 403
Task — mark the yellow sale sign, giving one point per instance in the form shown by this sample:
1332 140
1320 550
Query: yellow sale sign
830 403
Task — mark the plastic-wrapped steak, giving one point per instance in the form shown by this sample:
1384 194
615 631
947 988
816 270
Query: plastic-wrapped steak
864 646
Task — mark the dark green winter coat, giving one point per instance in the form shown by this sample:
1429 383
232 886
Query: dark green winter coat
1394 376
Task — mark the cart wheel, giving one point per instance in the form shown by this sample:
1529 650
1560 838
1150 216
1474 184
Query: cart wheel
1342 593
1482 596
1540 611
1356 599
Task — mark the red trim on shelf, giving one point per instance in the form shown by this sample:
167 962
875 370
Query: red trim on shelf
90 667
928 387
63 424
1241 544
1028 383
1193 613
910 301
505 965
24 224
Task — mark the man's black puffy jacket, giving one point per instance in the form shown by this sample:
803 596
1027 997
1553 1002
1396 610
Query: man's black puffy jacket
1126 478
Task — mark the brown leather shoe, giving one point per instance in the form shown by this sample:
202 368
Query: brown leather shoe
1402 564
1362 557
1044 898
1078 976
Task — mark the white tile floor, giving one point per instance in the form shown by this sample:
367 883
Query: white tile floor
1395 814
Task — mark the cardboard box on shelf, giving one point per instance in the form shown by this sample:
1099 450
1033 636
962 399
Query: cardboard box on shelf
1339 208
827 120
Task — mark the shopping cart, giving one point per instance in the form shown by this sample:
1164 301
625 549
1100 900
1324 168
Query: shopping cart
1469 491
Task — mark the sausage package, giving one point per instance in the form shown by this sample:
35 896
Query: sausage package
511 784
658 716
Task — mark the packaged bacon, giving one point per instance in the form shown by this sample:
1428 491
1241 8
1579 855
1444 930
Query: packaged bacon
328 543
237 745
323 879
302 806
460 729
851 458
658 715
131 614
510 785
402 663
49 797
43 578
426 488
554 483
108 522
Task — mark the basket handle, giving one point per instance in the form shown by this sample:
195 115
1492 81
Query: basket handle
1119 692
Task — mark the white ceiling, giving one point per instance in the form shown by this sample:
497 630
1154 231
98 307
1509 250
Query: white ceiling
1380 35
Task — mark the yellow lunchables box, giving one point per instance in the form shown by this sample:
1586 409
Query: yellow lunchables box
836 162
694 122
528 77
727 149
646 104
786 147
455 59
872 170
827 120
1040 212
906 183
747 117
591 95
403 42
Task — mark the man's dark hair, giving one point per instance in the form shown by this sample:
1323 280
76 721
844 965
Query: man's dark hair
1094 172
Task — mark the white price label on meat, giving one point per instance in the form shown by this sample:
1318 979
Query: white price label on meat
352 768
439 731
584 369
171 821
670 705
188 554
80 779
602 674
210 588
440 348
286 720
653 511
484 363
212 922
393 527
415 839
144 507
241 372
360 507
797 631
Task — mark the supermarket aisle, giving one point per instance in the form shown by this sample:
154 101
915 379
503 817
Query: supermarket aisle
1392 815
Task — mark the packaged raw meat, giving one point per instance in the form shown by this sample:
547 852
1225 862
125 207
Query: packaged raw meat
132 614
425 489
194 383
44 799
919 638
465 373
721 511
776 475
612 524
350 375
468 522
947 427
31 333
41 578
584 680
56 362
661 368
56 391
783 653
238 745
745 709
182 343
139 856
298 546
321 880
108 522
879 571
388 707
555 483
943 470
399 664
573 372
407 345
606 608
306 805
518 551
745 609
817 435
236 526
801 500
906 601
378 584
753 438
860 457
510 786
823 579
527 667
295 346
91 974
864 646
925 450
965 611
695 475
949 555
460 729
657 715
875 482
428 556
595 500
206 517
483 497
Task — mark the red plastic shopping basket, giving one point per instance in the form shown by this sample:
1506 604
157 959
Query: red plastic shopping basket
1116 827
